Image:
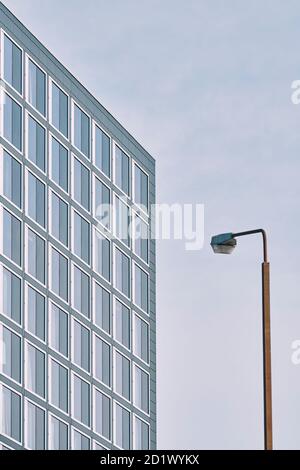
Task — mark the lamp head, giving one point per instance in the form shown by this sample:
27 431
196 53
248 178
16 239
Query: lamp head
223 243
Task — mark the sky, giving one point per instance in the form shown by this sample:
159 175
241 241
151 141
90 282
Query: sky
205 86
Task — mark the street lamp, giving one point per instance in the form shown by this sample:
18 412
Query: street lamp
225 244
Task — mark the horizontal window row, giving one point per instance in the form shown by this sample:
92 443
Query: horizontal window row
44 429
86 136
127 328
127 273
126 224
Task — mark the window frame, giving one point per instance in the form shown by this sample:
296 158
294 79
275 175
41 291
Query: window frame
72 245
28 58
26 254
109 228
4 266
22 368
12 390
117 247
134 366
26 142
12 214
71 435
114 221
4 92
94 390
71 409
94 125
27 285
26 175
82 325
73 266
50 82
3 150
134 432
50 248
50 137
5 33
135 314
73 158
115 300
73 104
95 230
140 209
134 216
93 316
49 437
94 336
26 401
49 325
115 404
128 196
115 352
134 264
51 191
49 360
26 369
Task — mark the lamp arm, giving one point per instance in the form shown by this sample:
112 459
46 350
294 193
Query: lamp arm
252 232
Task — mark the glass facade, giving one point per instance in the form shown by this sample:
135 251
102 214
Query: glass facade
75 274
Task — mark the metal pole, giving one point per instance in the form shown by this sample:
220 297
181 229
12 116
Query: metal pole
267 356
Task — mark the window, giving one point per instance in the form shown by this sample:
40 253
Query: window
36 90
60 113
141 389
81 400
81 237
12 64
81 184
58 386
36 143
102 360
102 414
35 430
11 295
141 434
81 291
10 416
102 255
81 346
102 151
140 188
122 170
122 272
12 179
122 324
81 136
122 427
35 319
10 354
12 121
140 238
141 338
79 441
35 265
122 221
58 434
140 288
36 200
58 329
122 375
59 218
96 446
59 274
59 164
11 237
102 308
102 203
35 370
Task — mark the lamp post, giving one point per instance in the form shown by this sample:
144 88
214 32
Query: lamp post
225 244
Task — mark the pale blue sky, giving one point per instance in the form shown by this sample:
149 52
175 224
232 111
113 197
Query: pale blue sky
204 85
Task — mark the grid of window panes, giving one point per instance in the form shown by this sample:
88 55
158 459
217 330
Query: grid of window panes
74 300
